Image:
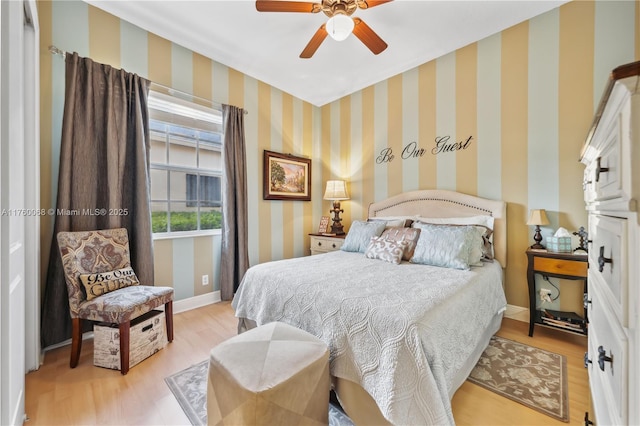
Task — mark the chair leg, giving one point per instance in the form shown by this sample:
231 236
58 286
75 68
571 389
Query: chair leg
124 329
168 316
76 341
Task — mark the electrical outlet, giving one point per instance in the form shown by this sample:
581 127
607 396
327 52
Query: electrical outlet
545 295
205 280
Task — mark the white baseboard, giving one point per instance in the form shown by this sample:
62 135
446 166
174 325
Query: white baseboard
178 306
517 313
196 302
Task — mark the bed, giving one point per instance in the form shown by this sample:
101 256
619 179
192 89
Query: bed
402 337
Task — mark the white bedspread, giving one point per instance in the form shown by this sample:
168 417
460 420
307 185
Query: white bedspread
400 331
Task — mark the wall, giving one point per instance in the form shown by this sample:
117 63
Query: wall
526 96
276 121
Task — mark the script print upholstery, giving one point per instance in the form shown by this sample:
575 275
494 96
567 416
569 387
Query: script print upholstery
102 251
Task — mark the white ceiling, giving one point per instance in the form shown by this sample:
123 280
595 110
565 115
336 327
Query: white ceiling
267 46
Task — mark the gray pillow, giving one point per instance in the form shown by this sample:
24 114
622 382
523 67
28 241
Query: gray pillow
360 234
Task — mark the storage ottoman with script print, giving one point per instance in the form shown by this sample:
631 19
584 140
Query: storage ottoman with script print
147 336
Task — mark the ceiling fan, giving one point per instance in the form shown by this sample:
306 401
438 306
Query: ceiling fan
339 25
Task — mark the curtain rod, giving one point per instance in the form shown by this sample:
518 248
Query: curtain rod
55 51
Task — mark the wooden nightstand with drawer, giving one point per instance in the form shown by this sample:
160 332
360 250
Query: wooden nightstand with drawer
560 265
325 243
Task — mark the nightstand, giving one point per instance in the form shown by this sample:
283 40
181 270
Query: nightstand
326 243
560 265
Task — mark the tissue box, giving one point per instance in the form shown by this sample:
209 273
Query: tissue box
559 244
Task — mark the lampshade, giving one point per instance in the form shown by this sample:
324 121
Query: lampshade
336 190
339 26
538 217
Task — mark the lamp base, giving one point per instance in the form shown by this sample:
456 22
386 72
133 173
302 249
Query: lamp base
336 227
537 237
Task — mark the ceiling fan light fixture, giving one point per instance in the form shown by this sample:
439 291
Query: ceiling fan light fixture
339 27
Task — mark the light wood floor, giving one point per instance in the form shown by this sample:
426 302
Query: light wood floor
58 395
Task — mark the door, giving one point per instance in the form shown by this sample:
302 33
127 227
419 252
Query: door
18 146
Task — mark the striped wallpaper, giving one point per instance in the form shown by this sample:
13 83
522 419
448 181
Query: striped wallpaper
525 96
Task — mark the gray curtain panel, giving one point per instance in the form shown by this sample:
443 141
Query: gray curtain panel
104 174
235 258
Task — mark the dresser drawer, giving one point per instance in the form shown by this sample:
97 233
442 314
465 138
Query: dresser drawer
608 173
572 268
321 244
588 186
607 339
606 176
608 261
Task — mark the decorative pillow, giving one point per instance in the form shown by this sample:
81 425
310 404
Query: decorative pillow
392 223
445 245
388 250
104 282
405 221
484 222
360 234
410 235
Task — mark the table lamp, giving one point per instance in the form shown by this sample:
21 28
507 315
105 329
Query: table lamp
538 217
336 190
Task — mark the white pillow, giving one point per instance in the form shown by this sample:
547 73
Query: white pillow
470 220
393 221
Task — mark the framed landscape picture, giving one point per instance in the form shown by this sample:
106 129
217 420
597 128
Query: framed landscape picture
286 177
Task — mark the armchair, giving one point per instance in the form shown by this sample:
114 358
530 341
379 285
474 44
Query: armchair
101 252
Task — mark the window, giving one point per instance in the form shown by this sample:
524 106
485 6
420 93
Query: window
186 165
209 194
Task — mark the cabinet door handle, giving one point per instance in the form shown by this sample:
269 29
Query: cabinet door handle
603 260
587 361
333 245
320 245
602 357
587 422
600 169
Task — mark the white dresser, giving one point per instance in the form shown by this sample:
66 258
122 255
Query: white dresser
611 185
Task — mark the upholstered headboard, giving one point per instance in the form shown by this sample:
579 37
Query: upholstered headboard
443 203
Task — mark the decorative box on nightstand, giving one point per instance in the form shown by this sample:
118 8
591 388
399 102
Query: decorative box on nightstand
559 244
325 243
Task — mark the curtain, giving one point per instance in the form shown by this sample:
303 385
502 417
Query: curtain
103 177
235 258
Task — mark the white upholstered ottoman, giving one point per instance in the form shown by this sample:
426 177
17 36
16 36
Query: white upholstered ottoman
274 374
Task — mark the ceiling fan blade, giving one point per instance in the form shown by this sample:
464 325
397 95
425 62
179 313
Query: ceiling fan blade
287 6
368 36
314 43
366 4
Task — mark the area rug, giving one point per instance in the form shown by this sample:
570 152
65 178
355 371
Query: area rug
531 376
189 386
